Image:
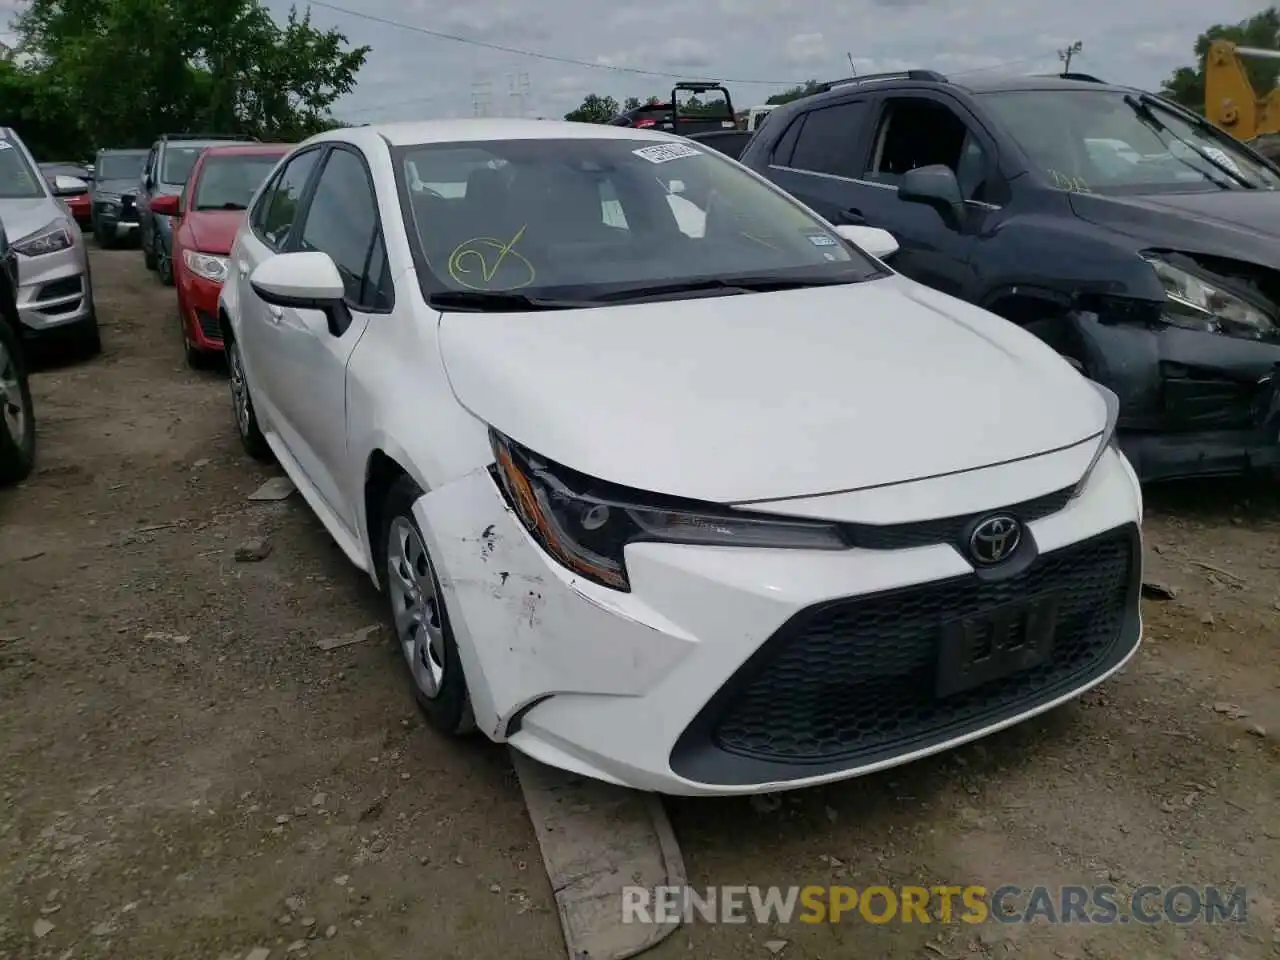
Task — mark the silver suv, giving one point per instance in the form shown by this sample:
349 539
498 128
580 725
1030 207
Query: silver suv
54 294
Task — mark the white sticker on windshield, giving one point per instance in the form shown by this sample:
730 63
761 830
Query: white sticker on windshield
663 152
822 240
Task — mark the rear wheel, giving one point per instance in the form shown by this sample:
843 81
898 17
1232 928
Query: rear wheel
105 240
17 421
421 620
148 249
164 262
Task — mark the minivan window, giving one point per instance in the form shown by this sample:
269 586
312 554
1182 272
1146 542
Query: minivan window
120 166
17 180
585 217
1110 141
178 162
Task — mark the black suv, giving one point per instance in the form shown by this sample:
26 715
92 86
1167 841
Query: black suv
1128 233
115 182
17 421
165 173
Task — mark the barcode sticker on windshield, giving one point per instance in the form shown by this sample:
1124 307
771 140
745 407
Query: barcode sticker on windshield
663 152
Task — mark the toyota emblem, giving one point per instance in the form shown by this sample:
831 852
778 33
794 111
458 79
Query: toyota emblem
995 539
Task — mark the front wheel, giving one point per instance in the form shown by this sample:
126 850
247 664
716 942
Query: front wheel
421 620
17 419
251 438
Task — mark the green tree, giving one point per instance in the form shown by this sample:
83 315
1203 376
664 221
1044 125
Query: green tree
594 109
794 93
1186 84
137 68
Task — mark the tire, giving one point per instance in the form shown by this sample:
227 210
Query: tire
251 438
426 640
86 338
100 235
147 241
17 416
196 358
164 265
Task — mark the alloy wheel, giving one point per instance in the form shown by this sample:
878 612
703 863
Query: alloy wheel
13 413
239 388
417 606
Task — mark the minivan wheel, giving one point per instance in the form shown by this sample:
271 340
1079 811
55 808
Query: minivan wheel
17 419
420 616
148 249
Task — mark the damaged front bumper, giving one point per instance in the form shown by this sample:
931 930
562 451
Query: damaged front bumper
1205 453
639 688
1192 404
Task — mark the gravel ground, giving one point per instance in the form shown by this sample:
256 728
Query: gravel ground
183 774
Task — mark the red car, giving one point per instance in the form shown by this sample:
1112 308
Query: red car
76 199
209 212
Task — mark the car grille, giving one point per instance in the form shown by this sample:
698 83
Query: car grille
128 212
901 536
208 325
852 682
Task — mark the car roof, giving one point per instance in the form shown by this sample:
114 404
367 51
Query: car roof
1008 84
468 130
973 84
117 151
250 149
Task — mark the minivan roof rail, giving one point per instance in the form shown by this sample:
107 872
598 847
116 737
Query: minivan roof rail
208 136
929 76
1082 77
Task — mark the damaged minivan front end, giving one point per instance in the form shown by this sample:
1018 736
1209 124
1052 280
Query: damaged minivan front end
1191 345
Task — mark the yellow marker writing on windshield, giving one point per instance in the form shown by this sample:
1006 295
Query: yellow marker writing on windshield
488 255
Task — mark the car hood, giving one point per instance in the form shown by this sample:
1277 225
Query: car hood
1238 224
21 218
764 396
213 231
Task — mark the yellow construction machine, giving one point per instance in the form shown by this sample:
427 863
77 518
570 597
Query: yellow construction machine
1230 100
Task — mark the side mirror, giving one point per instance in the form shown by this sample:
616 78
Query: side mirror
69 186
168 206
304 281
935 185
881 244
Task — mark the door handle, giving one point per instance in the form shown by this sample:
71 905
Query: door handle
274 312
853 216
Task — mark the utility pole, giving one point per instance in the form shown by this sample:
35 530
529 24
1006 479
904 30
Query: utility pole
519 93
481 97
1066 53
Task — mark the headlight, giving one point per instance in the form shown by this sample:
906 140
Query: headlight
1199 304
586 524
1106 440
50 238
206 265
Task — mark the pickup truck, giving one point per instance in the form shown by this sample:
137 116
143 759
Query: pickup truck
1127 232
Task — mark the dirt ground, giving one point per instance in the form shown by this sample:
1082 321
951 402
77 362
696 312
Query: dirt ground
183 774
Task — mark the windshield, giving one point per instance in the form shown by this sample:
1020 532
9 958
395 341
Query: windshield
1107 141
17 180
578 218
120 166
229 182
178 161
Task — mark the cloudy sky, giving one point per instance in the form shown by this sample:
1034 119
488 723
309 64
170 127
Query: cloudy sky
757 46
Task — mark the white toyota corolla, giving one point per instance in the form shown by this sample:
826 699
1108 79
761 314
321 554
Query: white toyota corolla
667 480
